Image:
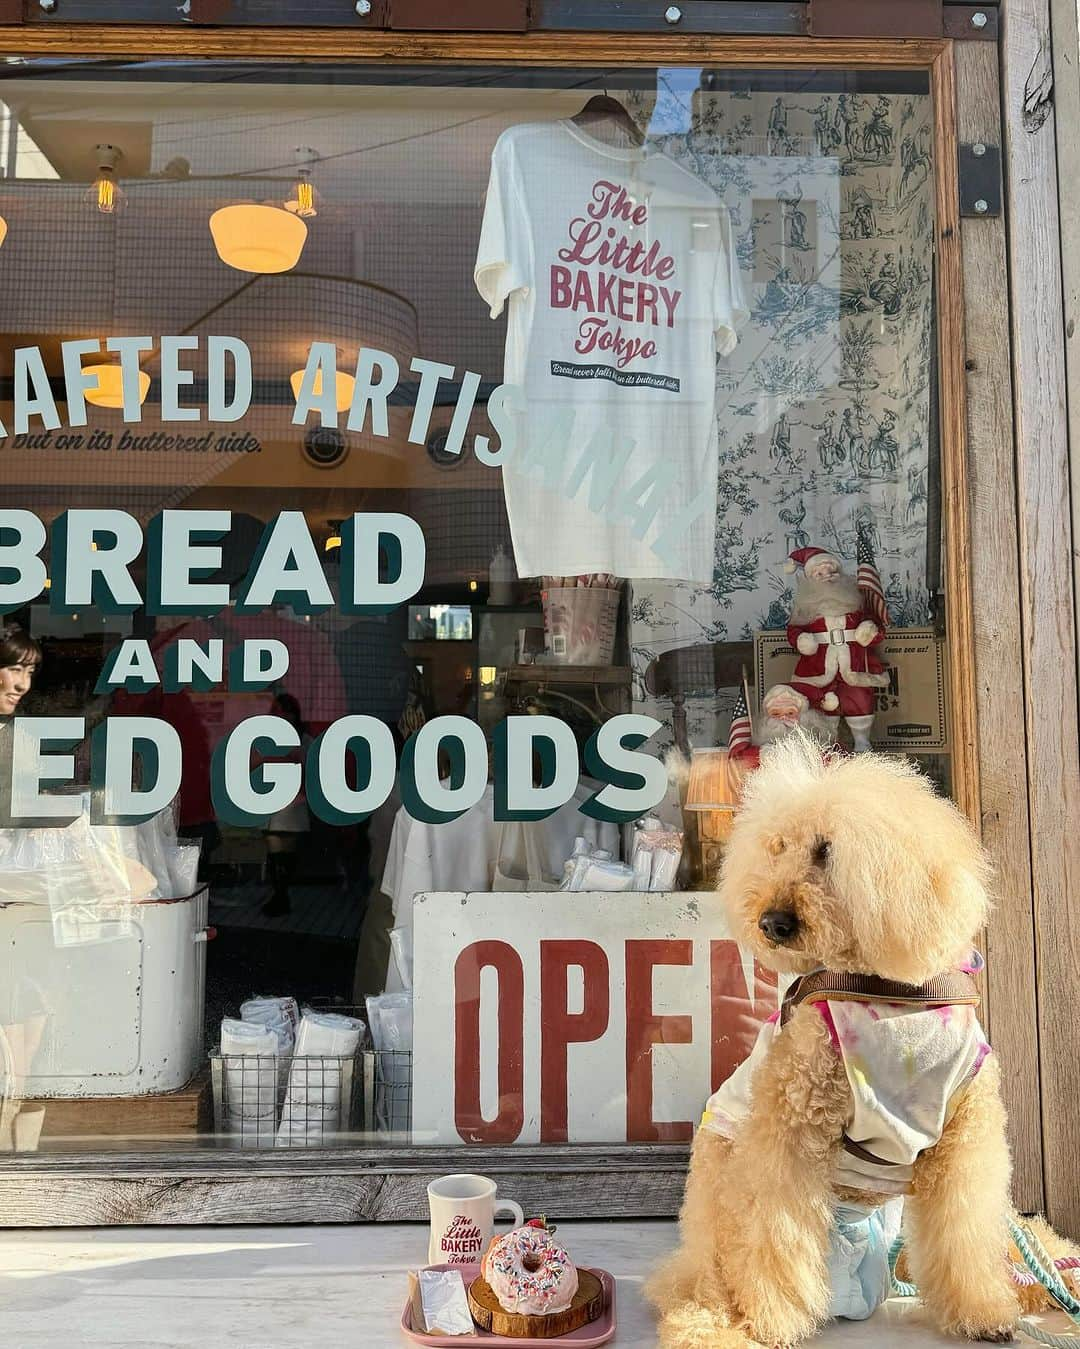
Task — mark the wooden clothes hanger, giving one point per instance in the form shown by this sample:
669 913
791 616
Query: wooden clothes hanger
602 109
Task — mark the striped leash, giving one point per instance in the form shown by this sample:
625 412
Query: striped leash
1038 1267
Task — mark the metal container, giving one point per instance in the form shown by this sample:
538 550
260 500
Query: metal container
388 1092
106 1003
250 1093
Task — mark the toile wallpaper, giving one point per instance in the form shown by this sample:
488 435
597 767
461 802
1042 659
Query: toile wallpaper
824 407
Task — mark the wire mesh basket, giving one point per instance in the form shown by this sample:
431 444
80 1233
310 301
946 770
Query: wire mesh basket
302 1101
387 1091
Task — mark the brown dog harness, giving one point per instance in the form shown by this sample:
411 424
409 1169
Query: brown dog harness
953 989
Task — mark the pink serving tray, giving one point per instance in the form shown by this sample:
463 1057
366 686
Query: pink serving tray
597 1332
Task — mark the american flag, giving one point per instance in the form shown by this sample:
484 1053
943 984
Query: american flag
870 582
739 735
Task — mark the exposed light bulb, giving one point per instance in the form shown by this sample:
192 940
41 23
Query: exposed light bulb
304 200
109 195
105 193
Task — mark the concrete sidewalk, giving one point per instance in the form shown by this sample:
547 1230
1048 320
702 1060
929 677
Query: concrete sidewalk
298 1287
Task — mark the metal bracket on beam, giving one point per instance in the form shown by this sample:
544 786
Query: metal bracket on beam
979 172
286 13
902 18
770 17
208 11
876 18
968 23
460 16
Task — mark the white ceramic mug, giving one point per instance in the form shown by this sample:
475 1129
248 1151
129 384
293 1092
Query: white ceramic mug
463 1210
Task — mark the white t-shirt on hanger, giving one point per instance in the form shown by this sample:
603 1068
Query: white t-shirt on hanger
623 286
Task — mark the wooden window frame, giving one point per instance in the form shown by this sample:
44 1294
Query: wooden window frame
350 1184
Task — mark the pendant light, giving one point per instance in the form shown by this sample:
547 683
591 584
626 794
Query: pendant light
105 194
109 390
3 229
304 200
258 237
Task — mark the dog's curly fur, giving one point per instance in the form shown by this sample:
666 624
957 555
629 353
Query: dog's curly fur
899 892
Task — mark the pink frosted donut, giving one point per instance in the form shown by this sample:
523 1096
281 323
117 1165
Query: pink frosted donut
529 1274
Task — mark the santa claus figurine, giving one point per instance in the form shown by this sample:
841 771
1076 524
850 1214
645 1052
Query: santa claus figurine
834 630
783 710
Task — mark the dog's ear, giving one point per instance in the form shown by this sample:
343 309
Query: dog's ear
960 886
944 930
919 864
961 878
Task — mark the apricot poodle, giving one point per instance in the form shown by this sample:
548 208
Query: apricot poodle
866 1088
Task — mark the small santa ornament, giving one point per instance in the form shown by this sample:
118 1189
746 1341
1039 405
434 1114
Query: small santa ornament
835 624
783 710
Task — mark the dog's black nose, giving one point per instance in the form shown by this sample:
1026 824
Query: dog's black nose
779 925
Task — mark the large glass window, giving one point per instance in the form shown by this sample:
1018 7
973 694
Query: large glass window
640 365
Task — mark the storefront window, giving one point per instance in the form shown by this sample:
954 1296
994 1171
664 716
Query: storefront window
579 394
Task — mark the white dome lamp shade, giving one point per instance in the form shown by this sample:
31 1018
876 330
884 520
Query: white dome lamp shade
109 390
345 384
255 237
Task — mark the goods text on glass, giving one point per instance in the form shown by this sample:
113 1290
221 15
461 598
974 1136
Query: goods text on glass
350 769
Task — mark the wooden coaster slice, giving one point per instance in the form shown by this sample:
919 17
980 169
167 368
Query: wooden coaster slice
587 1306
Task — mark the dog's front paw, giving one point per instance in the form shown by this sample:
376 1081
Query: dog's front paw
692 1325
974 1330
777 1336
991 1318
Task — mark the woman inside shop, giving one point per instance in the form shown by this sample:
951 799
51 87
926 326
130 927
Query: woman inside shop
20 656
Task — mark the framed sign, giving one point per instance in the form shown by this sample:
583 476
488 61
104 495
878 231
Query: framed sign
557 1017
910 709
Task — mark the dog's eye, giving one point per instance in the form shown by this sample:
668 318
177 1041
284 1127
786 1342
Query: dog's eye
822 848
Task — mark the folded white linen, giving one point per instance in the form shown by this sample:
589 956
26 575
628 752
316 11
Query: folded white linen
390 1016
326 1045
249 1055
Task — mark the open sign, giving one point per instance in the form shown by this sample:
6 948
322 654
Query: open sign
553 1018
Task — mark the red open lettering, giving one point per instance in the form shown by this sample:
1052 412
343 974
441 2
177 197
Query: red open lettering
735 1024
645 1029
468 1118
559 1027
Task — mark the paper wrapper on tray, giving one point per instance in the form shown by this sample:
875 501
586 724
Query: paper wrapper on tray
439 1303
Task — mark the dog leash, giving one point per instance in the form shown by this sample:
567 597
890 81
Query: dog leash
1041 1268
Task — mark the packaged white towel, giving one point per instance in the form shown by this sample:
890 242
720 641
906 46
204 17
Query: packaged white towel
401 953
183 860
314 1102
250 1060
656 855
280 1015
390 1016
